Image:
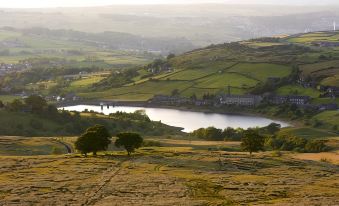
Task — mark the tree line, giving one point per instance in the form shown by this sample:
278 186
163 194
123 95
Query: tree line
265 138
38 118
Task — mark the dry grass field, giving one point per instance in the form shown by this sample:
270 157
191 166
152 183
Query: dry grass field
176 175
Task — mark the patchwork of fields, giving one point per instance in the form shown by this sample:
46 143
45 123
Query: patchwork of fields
241 77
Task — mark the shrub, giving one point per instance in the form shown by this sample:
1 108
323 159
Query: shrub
151 143
316 146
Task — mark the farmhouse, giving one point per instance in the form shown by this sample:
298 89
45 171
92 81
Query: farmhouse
240 100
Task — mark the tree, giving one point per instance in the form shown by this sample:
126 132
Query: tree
130 141
272 128
1 104
212 133
93 140
84 143
36 103
229 133
252 141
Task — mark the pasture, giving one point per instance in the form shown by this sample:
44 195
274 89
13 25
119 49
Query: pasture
298 90
261 71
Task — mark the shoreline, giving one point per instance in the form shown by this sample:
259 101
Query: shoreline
192 108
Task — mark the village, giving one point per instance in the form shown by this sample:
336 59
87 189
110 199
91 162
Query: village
10 68
250 100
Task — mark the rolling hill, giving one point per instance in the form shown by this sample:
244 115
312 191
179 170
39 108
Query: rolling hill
244 66
111 47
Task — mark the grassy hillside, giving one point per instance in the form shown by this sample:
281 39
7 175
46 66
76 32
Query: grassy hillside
18 45
241 65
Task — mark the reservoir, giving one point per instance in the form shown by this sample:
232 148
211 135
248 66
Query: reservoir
187 120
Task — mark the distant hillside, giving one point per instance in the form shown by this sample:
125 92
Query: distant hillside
200 24
253 66
105 40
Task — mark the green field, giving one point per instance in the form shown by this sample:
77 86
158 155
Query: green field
84 83
314 37
140 92
298 90
308 132
222 80
322 67
325 101
262 71
191 74
331 81
330 118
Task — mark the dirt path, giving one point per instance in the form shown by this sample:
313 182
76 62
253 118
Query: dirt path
107 176
68 147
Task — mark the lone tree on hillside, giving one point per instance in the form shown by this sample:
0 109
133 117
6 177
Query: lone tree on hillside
95 139
130 141
252 141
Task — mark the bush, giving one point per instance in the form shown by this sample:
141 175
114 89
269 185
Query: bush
316 146
210 133
151 143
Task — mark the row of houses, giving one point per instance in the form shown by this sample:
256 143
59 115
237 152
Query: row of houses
290 99
229 99
170 100
242 100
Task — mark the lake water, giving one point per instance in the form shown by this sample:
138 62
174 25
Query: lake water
188 120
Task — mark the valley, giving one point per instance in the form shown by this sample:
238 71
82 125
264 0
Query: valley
197 104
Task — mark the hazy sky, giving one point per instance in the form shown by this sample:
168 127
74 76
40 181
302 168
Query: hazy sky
79 3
